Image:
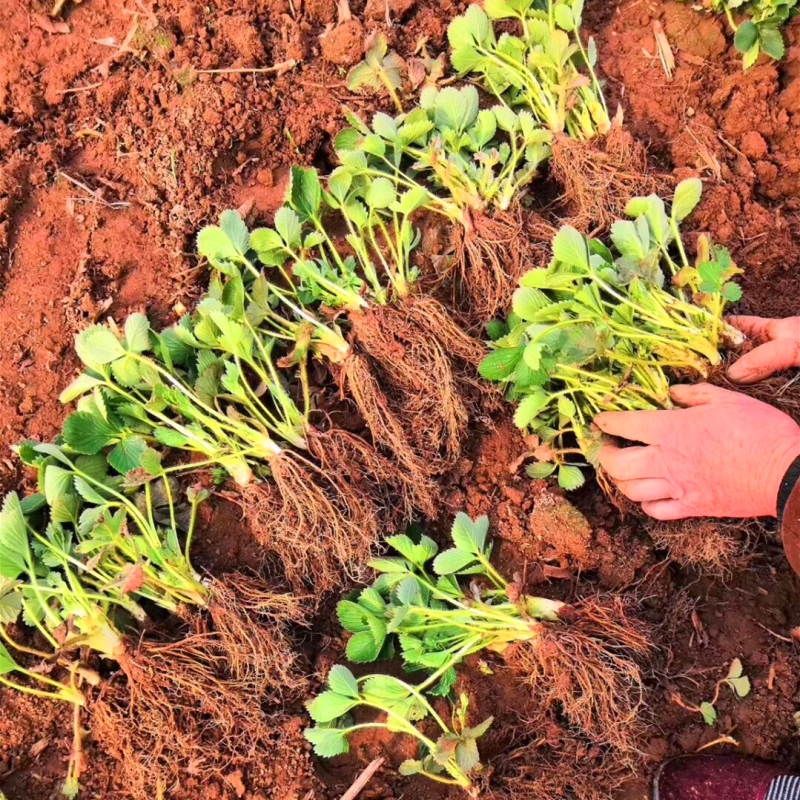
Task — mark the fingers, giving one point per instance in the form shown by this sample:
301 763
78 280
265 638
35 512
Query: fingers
666 510
647 489
648 427
629 463
754 327
699 395
765 360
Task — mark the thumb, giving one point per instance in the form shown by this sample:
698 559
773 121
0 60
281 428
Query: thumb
766 360
698 394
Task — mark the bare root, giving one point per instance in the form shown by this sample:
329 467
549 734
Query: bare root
413 348
253 623
589 664
600 176
322 528
177 715
557 764
493 254
715 548
384 422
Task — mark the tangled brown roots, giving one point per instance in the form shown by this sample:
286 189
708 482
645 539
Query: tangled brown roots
589 665
252 622
416 354
321 527
492 254
600 175
177 715
711 546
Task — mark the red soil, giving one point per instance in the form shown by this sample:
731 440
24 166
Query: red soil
157 159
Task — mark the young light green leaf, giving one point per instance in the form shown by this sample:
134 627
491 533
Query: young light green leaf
470 535
287 223
687 196
451 561
81 385
328 742
380 193
529 408
329 706
569 247
709 713
343 682
363 648
97 345
235 229
215 245
10 602
58 483
540 470
7 663
570 477
305 192
771 41
13 538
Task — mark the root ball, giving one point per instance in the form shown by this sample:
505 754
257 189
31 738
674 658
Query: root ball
599 176
589 665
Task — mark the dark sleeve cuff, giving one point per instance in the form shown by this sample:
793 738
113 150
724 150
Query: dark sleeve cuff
789 513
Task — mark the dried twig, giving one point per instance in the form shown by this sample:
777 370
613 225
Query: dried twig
94 194
362 780
720 740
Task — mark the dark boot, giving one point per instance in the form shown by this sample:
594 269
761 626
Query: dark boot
723 778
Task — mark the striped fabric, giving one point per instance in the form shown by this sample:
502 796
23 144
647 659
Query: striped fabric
786 787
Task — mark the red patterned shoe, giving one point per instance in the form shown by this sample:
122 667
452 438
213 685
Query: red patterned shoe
723 778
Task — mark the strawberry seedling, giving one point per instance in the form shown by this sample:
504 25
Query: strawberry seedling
582 657
758 29
468 165
448 759
381 69
604 329
735 680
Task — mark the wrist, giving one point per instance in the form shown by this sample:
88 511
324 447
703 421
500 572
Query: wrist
784 473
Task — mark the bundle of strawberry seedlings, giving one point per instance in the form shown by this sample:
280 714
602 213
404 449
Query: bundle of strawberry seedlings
582 658
83 562
469 165
547 69
609 328
212 386
403 358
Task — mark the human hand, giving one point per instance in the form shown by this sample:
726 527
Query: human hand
778 349
724 455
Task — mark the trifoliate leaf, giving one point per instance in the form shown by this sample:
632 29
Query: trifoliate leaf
500 364
13 538
380 193
88 433
468 534
127 455
7 663
215 245
771 40
746 36
330 706
529 408
328 742
362 648
732 292
570 248
287 223
527 301
451 561
741 686
457 109
97 345
564 18
570 477
137 333
343 682
626 239
81 385
540 470
465 33
687 196
709 713
305 192
235 229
